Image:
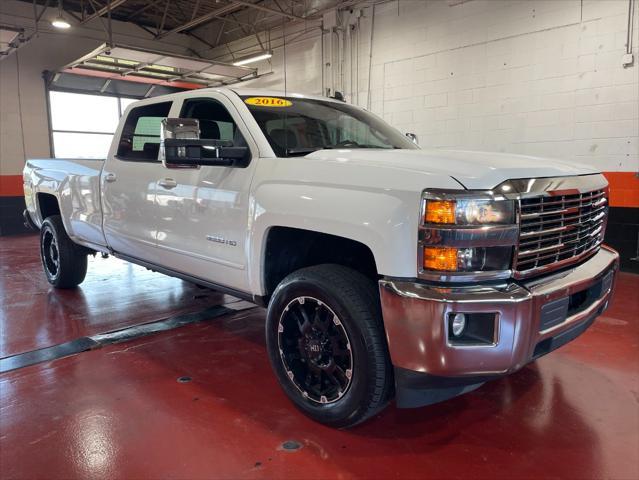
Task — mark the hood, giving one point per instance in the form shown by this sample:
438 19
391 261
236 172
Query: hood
474 170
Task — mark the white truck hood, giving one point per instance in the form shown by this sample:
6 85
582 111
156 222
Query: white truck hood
474 170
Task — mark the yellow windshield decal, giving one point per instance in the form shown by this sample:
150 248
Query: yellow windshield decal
268 102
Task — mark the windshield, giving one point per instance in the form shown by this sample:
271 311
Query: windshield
296 126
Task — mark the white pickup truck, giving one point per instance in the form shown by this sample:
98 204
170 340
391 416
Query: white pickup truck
388 270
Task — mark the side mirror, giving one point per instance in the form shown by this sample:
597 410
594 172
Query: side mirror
413 138
180 152
181 147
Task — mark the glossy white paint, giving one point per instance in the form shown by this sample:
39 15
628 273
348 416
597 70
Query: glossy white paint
207 204
76 184
371 196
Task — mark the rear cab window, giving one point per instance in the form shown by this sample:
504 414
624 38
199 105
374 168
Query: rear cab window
140 137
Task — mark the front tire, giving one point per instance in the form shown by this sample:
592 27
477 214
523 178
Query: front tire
326 343
64 262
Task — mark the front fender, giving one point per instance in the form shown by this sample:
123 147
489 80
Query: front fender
383 219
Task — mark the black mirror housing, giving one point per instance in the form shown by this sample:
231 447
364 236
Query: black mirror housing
188 152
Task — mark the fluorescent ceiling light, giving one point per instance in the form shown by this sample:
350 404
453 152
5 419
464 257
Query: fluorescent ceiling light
253 58
60 22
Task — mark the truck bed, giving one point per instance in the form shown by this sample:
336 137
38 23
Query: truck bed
76 184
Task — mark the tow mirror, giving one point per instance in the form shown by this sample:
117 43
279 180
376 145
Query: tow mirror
413 138
182 147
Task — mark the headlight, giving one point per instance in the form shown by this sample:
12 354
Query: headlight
466 235
469 212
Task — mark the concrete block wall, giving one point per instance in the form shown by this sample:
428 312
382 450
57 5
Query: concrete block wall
532 77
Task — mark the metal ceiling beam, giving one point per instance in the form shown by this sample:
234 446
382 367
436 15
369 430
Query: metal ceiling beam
274 11
109 7
142 10
220 12
200 20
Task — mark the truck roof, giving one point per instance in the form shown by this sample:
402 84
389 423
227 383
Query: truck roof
278 93
239 91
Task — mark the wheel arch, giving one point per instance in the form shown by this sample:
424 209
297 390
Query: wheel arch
47 205
287 249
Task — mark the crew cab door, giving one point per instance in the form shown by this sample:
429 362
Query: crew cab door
202 214
129 183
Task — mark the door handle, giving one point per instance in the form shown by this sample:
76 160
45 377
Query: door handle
167 183
110 177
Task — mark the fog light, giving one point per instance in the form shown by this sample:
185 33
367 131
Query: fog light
458 324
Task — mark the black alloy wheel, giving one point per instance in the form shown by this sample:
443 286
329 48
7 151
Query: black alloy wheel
50 252
327 346
64 262
315 350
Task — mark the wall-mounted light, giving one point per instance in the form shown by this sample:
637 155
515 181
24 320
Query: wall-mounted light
59 21
256 57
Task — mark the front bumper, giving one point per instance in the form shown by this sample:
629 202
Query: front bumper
528 324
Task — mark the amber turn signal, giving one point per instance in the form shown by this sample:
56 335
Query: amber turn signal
440 258
440 211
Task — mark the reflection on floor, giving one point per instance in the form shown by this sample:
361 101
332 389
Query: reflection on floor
115 294
120 411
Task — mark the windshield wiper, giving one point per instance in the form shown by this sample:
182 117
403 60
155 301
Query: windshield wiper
359 145
293 152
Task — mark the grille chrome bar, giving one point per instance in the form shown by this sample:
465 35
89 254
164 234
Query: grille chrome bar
526 216
575 218
571 229
561 202
551 256
547 231
558 228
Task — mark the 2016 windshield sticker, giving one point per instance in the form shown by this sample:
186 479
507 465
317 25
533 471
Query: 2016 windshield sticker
268 102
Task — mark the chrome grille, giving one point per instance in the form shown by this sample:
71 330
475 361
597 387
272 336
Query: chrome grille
559 229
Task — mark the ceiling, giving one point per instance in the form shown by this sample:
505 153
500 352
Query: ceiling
156 67
225 20
9 39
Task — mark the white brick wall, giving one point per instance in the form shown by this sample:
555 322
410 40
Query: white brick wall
533 77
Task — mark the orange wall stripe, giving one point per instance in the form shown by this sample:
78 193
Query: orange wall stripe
11 186
624 188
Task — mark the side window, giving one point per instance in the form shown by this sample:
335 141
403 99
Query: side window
140 139
216 122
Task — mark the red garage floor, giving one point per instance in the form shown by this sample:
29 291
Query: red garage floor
115 294
119 412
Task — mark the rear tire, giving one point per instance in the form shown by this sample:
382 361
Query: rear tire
64 262
326 343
